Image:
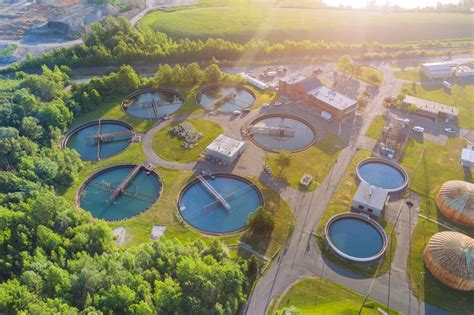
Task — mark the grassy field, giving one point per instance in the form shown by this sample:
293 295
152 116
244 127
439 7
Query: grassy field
321 296
169 147
367 74
408 75
241 20
317 160
429 166
461 96
376 127
340 203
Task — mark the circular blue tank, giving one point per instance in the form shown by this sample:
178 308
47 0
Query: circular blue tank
201 208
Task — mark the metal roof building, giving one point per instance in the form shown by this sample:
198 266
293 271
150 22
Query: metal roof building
370 199
436 70
431 109
254 82
225 149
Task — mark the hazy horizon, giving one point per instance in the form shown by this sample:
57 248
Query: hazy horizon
408 4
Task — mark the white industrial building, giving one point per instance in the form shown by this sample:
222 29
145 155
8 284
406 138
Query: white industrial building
467 157
463 72
370 199
437 70
225 149
254 82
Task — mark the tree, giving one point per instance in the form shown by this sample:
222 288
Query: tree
345 63
31 128
213 74
283 160
261 221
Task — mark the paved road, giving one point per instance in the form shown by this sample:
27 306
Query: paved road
302 257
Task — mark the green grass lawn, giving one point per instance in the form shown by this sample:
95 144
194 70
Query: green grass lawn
321 296
242 20
341 202
408 75
428 171
367 74
170 147
376 127
460 96
317 160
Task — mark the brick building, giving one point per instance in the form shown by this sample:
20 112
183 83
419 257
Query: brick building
327 103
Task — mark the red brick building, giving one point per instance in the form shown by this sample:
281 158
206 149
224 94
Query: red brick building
327 103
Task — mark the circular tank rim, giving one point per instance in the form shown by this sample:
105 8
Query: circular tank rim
388 162
307 123
364 218
194 180
149 90
106 169
224 84
70 133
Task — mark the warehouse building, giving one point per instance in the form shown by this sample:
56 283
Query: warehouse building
224 149
327 103
436 70
431 109
370 199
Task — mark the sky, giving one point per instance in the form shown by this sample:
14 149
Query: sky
402 3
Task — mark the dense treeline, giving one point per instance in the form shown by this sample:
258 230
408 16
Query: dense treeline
55 259
114 41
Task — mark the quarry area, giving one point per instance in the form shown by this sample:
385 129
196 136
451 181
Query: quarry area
36 26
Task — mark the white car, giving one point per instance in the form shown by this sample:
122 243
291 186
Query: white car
418 129
236 112
449 130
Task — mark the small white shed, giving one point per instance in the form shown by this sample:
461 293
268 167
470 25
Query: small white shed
370 199
225 149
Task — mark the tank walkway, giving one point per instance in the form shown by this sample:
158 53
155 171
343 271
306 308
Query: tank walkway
121 188
109 137
221 100
214 192
281 132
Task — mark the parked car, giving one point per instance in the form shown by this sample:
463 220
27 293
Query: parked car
236 112
246 110
418 129
449 130
277 103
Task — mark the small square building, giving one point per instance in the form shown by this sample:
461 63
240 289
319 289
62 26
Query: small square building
467 157
370 199
225 149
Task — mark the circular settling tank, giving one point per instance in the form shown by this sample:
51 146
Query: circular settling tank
99 139
282 132
225 98
356 237
153 103
119 192
383 174
219 204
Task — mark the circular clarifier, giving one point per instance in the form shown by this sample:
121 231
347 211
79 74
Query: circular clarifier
383 174
99 194
225 98
99 139
219 204
356 237
281 132
153 103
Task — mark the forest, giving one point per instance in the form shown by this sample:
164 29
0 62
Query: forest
115 42
56 259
